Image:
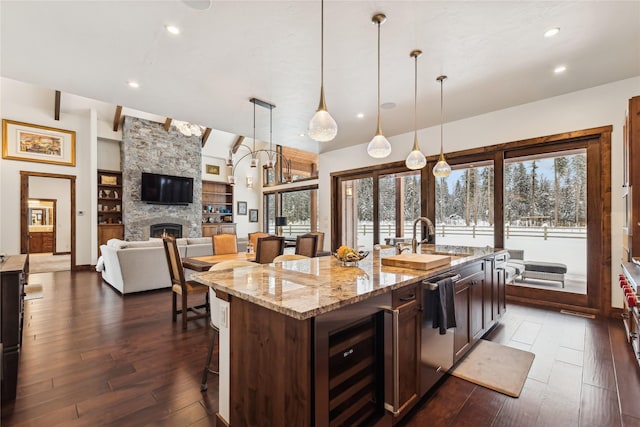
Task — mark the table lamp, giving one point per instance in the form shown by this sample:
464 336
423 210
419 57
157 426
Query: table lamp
281 221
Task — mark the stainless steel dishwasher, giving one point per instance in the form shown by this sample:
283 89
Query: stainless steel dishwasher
436 355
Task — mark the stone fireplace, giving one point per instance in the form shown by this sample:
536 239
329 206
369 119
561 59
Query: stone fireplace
158 230
148 147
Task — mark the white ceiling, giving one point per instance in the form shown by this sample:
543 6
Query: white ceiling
493 52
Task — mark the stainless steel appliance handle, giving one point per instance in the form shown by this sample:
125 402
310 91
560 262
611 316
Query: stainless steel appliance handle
394 407
432 286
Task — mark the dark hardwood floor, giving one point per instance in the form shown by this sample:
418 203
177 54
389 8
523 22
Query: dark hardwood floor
91 357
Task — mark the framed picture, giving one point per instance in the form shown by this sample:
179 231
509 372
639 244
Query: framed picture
242 208
34 143
213 169
253 215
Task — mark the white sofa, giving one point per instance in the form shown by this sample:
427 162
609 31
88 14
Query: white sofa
141 266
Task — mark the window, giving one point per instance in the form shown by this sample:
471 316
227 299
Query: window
376 207
299 206
464 205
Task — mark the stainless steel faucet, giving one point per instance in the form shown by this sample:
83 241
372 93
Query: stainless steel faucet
431 231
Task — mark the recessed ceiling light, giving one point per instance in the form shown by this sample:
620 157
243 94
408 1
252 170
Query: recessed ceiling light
552 32
388 105
360 115
172 29
560 69
133 84
302 134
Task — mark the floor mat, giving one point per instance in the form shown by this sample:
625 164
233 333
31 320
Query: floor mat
496 367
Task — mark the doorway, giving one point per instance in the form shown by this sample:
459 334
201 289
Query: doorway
47 221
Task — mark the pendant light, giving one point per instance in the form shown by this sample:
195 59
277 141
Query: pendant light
322 127
415 159
379 147
442 168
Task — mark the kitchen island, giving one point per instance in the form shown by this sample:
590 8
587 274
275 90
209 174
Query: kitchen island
312 342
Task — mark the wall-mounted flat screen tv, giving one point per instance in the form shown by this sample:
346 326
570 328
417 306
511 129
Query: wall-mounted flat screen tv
166 189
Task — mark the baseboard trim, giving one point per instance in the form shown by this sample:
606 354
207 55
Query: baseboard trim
220 422
85 267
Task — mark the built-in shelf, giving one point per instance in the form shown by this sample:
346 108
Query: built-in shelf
109 209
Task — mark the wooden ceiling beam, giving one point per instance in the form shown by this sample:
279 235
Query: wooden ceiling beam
117 117
56 108
167 123
205 136
237 144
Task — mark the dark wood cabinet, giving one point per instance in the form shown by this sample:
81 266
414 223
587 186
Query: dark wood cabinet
631 182
469 308
41 242
407 301
495 292
13 276
109 231
209 230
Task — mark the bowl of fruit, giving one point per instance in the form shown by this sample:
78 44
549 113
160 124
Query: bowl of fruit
349 257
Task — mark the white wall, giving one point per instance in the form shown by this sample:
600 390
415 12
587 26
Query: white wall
58 189
598 106
31 104
109 154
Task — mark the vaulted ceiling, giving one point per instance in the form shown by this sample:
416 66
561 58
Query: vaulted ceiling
494 53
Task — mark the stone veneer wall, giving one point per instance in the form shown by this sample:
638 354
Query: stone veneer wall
147 147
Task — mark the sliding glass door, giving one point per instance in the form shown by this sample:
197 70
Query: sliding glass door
545 219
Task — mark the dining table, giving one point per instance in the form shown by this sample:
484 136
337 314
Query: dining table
204 263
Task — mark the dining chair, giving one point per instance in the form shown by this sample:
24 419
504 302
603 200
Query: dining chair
268 248
224 244
253 238
182 287
320 242
307 245
214 322
289 257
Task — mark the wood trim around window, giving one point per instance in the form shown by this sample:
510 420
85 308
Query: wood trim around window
597 141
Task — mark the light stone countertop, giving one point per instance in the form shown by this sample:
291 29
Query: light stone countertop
306 288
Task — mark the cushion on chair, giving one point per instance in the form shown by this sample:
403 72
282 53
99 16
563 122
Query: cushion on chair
545 267
225 244
517 266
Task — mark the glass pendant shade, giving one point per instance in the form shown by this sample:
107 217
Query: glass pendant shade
442 168
379 147
415 159
322 127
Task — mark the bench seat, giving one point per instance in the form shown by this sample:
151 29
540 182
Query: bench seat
544 271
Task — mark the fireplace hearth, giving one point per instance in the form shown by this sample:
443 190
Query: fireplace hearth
159 230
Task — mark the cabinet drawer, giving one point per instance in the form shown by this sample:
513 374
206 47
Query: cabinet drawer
470 270
405 295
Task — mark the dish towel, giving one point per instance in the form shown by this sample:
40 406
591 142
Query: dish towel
445 309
